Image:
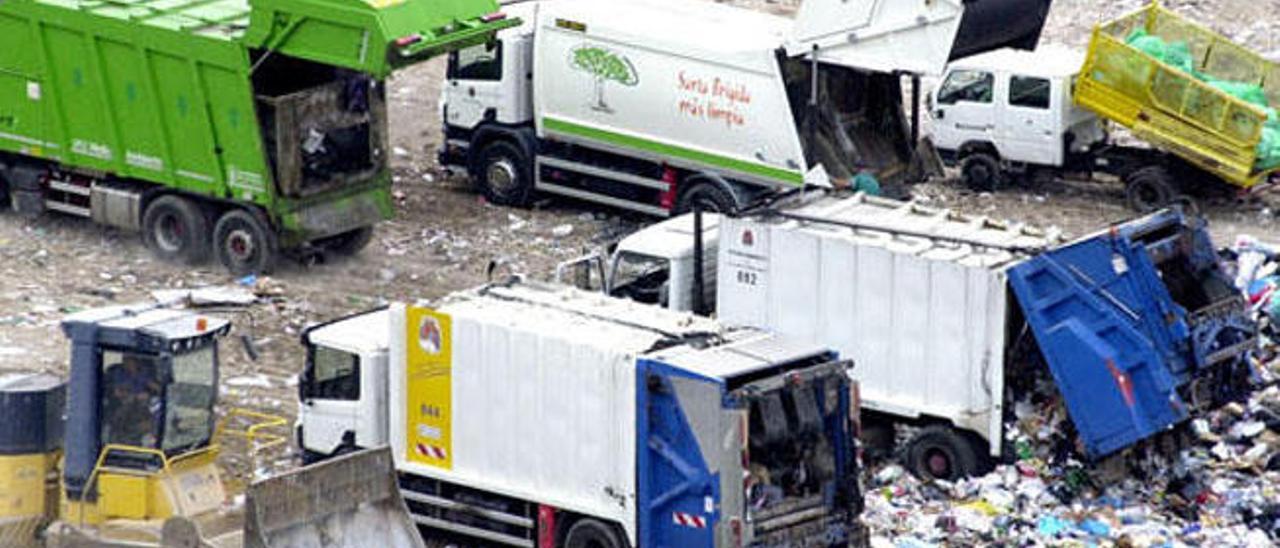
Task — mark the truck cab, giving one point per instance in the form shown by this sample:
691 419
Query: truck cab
490 81
654 265
342 391
1012 110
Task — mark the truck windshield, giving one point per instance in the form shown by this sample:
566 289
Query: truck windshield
642 278
857 124
189 400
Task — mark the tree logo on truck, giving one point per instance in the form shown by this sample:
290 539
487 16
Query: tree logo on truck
605 66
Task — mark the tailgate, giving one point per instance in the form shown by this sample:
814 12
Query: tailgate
1097 308
917 37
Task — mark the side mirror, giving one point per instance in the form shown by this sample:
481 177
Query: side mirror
585 272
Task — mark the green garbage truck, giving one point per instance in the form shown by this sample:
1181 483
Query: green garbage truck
240 129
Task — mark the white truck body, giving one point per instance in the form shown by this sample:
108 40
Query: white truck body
910 288
635 103
564 431
511 402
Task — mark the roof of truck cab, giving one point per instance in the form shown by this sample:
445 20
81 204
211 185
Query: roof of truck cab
672 238
677 26
226 19
366 333
1045 62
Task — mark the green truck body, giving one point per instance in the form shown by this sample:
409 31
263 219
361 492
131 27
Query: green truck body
272 107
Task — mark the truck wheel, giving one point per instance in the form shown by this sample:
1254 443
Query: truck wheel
713 198
504 175
245 244
347 243
175 229
1149 189
591 533
981 172
940 452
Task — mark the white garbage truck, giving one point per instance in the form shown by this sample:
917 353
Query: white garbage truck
524 414
948 315
654 105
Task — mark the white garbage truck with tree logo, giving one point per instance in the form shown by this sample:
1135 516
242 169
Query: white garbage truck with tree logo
654 105
523 414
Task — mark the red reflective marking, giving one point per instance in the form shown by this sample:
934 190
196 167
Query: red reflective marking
1122 380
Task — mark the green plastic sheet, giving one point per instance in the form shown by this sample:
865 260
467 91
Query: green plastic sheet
1178 55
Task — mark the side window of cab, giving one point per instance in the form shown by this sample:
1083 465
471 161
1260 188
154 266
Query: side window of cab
1029 92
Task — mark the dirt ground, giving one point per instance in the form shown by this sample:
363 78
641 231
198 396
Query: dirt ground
444 235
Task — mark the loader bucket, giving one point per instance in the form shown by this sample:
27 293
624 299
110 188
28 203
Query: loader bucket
348 502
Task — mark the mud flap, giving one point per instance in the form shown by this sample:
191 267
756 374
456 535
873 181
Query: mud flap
347 502
1097 310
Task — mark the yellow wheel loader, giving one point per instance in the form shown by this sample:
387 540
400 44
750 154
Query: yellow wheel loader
124 452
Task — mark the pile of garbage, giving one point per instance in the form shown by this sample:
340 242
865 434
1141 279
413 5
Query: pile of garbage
1221 490
1177 54
1215 481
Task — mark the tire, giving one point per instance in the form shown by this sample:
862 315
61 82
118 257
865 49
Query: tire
244 243
713 197
1149 189
348 243
175 229
981 172
504 175
592 533
940 452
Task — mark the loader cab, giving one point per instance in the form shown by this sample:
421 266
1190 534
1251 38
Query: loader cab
143 385
158 401
342 391
1015 104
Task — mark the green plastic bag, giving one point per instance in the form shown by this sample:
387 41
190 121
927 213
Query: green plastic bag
1178 55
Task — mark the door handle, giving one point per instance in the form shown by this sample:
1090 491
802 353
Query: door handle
471 92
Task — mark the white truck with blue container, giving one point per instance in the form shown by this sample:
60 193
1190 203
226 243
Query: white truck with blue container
531 415
1138 324
654 105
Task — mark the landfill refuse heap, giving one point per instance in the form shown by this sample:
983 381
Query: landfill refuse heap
1177 54
1222 489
